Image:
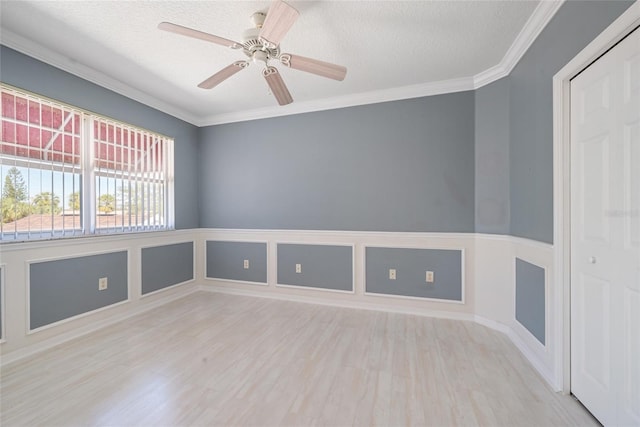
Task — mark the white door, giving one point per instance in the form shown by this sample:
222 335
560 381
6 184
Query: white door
605 235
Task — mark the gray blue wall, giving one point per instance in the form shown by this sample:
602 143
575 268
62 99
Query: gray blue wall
30 74
574 26
395 166
411 266
530 298
322 266
225 260
492 158
166 265
68 287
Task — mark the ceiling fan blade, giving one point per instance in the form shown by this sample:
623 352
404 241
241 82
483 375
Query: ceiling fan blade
223 74
277 86
190 32
321 68
279 20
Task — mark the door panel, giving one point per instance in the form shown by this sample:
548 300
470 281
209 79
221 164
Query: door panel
631 80
632 193
595 99
594 301
594 162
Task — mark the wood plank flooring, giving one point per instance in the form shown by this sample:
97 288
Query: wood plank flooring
215 359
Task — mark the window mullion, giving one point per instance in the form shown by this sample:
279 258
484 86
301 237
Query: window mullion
88 200
169 184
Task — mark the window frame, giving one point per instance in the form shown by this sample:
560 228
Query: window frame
89 172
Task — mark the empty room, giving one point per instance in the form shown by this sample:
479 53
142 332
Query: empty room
331 213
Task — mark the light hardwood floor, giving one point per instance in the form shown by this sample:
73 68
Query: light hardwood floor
216 359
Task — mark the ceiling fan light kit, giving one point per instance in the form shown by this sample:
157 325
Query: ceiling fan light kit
262 44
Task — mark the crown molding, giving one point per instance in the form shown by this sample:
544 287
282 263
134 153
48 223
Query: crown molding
538 20
365 98
39 52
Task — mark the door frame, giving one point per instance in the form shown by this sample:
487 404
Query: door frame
619 29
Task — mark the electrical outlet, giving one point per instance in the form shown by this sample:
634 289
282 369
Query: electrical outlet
392 274
103 283
429 276
298 268
246 264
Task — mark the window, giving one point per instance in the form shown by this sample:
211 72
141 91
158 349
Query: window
67 172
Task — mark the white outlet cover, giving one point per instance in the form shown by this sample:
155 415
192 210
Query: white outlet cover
298 268
103 283
429 276
246 264
392 274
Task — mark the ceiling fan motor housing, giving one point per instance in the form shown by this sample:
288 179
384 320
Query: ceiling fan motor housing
252 46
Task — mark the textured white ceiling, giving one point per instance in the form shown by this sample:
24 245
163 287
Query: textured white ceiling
384 44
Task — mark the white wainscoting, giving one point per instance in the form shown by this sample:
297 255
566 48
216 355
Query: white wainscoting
541 356
495 297
488 281
488 284
359 241
19 342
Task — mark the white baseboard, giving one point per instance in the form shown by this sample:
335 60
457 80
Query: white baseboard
492 324
341 303
537 363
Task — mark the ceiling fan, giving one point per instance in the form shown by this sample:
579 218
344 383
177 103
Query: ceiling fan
262 43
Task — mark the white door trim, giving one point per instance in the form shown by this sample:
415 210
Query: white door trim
629 20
